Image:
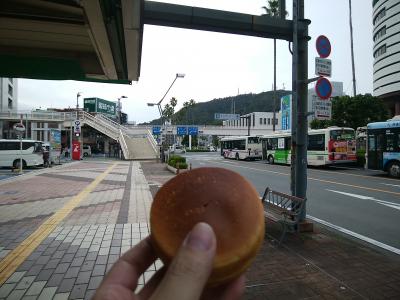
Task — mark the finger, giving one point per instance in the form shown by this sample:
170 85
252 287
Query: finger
152 284
127 270
190 269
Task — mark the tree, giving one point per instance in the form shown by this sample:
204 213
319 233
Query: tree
169 109
354 112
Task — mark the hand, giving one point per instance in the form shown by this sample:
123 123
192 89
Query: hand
184 279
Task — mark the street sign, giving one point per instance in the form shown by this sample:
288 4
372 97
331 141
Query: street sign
286 111
218 116
322 108
323 46
323 67
156 130
19 127
323 88
193 130
77 127
181 130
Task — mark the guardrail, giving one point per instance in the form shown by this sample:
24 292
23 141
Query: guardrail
38 116
124 147
153 142
100 125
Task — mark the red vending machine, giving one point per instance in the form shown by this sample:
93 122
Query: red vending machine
76 150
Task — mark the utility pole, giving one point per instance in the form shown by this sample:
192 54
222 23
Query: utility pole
274 110
352 52
300 105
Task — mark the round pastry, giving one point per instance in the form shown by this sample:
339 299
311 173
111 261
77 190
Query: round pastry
223 199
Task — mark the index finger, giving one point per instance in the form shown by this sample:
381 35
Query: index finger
127 270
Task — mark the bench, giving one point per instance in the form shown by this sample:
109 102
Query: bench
283 209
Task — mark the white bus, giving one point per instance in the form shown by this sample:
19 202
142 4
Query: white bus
241 147
328 146
10 153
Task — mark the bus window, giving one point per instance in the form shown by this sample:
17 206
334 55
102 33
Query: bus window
253 140
342 134
316 142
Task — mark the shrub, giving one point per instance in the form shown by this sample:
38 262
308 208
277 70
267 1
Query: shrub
176 159
181 165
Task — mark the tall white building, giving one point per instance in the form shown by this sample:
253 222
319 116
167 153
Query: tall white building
8 94
386 36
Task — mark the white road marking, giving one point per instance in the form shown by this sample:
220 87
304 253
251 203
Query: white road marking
382 202
395 185
356 235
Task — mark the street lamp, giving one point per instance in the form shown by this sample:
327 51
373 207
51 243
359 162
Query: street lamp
119 108
77 100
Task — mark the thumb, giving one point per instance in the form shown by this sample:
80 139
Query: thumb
189 270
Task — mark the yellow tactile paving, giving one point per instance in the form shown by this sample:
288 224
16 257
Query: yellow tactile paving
15 258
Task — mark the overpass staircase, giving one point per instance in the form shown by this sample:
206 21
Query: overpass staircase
135 145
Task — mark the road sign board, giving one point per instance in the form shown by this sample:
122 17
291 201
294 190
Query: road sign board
181 130
323 88
193 130
19 127
322 108
218 116
323 46
77 126
156 130
323 67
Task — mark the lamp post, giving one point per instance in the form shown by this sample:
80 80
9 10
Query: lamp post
77 100
158 104
119 108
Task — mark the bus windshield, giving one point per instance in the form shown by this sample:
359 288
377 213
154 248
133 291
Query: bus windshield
342 135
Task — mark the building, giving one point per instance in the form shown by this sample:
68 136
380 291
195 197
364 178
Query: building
258 120
8 103
322 108
386 36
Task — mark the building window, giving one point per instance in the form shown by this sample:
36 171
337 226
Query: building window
381 32
380 51
381 14
269 121
276 121
10 103
10 90
260 121
265 121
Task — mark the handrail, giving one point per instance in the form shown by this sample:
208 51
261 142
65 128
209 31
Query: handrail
153 141
124 147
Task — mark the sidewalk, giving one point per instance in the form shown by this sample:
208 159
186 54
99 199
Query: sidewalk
61 229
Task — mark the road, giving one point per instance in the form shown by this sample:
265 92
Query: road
363 203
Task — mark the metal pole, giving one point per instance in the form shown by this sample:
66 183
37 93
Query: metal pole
70 138
352 53
302 109
20 149
294 100
274 110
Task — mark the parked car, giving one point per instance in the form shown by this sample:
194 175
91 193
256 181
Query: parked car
87 150
177 149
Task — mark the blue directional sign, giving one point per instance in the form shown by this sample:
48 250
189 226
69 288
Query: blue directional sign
323 46
156 130
193 130
323 88
181 130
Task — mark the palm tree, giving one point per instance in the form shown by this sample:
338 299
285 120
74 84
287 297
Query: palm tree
272 10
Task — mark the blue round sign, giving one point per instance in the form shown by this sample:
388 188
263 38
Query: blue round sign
323 88
323 46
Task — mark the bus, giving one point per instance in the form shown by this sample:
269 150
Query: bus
383 150
328 146
10 153
241 147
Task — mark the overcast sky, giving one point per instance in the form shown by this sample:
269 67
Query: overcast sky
219 65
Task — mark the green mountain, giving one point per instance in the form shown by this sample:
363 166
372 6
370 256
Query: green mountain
203 113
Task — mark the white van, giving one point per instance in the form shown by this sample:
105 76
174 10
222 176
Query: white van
10 153
87 150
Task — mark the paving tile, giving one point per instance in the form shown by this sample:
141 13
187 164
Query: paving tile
29 297
78 261
42 260
72 272
112 258
66 285
72 249
91 256
83 277
26 265
61 296
99 270
58 254
101 259
36 288
89 294
55 280
78 292
47 293
81 252
35 270
95 282
62 268
15 277
52 264
25 282
16 294
44 274
6 289
88 265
